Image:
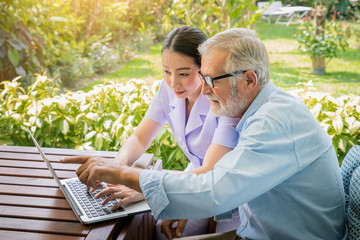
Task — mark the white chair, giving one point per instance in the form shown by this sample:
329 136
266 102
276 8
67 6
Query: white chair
270 10
287 13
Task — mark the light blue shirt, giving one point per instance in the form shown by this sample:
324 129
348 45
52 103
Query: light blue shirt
202 127
283 175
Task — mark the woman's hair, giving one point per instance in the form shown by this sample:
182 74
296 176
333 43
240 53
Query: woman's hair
185 40
246 52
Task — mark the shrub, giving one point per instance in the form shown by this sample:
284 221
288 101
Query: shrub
211 16
104 117
340 117
101 119
103 56
71 40
322 42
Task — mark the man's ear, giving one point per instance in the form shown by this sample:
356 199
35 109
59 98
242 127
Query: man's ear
251 80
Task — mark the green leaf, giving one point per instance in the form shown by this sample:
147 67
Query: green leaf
15 44
90 135
58 19
2 40
107 137
99 141
338 125
65 127
107 124
35 61
354 128
316 109
20 71
70 119
93 116
2 52
13 56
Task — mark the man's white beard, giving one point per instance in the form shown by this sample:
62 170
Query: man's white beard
234 105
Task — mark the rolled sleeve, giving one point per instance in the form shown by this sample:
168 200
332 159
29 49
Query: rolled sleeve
226 133
151 184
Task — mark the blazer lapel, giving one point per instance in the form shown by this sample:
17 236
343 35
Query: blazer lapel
198 114
177 115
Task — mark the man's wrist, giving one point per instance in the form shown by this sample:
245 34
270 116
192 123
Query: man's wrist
121 173
129 176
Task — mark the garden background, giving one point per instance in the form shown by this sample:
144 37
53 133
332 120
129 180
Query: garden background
81 73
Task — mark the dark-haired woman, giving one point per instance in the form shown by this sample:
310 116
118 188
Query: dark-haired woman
203 137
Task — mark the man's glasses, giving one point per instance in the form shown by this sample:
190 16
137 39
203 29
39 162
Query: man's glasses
210 81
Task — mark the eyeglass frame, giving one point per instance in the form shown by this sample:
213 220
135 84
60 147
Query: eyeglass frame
210 81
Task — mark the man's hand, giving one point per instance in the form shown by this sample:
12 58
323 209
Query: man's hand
95 169
125 194
169 231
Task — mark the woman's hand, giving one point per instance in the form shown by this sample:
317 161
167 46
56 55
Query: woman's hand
125 194
168 229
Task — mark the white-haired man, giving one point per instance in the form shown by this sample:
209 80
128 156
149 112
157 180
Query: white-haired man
283 175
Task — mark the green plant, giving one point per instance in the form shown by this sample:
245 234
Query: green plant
102 55
340 117
322 42
355 32
211 16
73 39
101 119
21 51
166 147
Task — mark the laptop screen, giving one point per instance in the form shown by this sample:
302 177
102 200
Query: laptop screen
52 171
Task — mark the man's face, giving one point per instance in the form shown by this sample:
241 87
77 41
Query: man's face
225 100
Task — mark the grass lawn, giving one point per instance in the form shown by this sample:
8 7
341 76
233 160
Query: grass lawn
146 66
288 65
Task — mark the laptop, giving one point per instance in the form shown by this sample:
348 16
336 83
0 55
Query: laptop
87 208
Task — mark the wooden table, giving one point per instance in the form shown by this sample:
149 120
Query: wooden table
33 207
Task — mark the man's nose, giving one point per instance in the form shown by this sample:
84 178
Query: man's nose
205 90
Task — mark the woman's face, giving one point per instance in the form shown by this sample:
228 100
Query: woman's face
181 74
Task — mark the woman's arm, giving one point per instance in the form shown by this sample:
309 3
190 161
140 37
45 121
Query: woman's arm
214 153
138 142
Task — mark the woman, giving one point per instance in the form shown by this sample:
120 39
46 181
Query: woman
203 137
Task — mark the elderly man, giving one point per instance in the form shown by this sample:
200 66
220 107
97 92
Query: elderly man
283 175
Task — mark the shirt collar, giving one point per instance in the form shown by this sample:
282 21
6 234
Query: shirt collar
259 100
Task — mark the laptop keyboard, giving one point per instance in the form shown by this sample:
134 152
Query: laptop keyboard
92 206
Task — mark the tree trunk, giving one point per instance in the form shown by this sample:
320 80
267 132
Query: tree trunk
76 13
95 14
318 65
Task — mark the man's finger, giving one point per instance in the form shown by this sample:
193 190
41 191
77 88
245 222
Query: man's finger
83 177
75 159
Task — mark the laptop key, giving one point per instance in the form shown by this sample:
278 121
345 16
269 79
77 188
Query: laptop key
92 206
